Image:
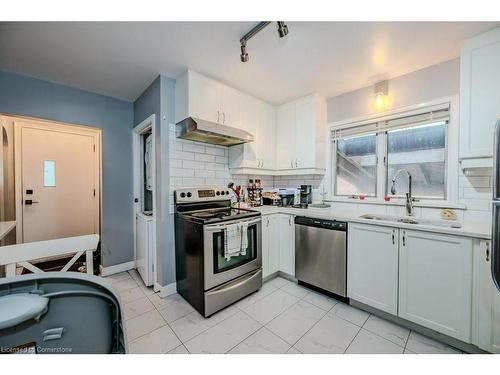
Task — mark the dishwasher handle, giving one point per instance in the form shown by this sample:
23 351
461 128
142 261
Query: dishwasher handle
321 223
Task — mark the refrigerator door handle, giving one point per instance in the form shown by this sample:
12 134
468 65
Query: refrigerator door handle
496 160
495 245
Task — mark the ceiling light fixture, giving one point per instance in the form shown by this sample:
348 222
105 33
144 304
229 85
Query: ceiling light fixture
381 94
282 32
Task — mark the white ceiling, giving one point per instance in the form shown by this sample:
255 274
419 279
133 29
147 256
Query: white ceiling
121 59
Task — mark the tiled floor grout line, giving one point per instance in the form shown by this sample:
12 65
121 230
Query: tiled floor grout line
261 326
354 338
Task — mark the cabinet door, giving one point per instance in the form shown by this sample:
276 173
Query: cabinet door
231 104
285 137
266 269
435 282
267 137
274 244
479 85
287 244
305 128
250 123
204 98
144 249
372 266
486 301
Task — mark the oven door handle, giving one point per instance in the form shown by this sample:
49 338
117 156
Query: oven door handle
219 227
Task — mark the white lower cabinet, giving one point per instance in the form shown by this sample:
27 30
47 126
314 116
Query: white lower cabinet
372 266
287 244
270 245
435 282
486 301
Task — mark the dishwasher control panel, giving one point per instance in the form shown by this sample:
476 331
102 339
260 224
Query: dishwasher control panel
321 223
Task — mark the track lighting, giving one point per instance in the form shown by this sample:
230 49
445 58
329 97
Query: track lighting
282 29
244 54
282 32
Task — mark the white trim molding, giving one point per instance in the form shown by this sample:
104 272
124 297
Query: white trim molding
117 268
166 290
452 143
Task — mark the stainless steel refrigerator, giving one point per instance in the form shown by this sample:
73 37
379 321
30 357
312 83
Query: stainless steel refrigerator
495 233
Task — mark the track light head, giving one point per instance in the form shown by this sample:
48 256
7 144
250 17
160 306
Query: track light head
282 29
244 54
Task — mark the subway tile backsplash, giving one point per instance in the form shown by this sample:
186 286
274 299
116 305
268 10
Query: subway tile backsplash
196 164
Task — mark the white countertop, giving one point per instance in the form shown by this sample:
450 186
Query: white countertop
6 227
475 230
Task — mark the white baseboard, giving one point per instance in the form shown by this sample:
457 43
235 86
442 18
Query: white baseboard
166 290
117 268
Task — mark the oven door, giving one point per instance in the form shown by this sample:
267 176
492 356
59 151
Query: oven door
218 270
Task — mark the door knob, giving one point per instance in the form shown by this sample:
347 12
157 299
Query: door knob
29 202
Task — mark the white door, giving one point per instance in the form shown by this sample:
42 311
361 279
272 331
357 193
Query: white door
144 246
267 134
274 244
285 137
479 97
486 298
372 266
204 98
266 268
305 127
287 244
435 282
231 103
59 185
250 123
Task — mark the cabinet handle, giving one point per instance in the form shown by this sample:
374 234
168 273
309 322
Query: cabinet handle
404 238
262 166
291 163
393 239
223 117
290 221
218 115
487 251
296 163
267 222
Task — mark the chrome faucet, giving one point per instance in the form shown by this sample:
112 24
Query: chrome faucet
409 198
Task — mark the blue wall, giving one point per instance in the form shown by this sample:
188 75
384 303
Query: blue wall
33 97
158 99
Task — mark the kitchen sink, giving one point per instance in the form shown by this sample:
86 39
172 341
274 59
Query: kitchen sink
411 220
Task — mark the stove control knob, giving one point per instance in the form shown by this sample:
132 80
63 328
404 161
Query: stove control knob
218 193
222 193
189 195
227 192
183 195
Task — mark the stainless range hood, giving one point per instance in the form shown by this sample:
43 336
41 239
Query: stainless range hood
210 132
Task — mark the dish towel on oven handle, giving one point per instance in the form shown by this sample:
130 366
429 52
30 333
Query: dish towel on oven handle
244 238
232 241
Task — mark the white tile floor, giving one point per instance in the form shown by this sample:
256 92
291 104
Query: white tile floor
282 317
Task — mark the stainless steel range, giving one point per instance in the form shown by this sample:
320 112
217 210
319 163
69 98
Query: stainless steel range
217 249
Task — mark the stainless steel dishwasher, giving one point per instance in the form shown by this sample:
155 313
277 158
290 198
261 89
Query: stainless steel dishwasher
321 253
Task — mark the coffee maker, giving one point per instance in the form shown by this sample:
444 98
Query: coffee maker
305 192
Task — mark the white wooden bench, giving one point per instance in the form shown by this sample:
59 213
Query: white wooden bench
27 253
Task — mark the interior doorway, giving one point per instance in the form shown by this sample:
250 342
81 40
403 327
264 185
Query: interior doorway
144 156
57 179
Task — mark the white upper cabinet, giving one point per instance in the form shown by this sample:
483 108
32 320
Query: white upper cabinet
486 301
479 95
372 266
301 136
201 97
435 282
259 156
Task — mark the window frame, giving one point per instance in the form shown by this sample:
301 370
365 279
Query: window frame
418 197
452 167
334 166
